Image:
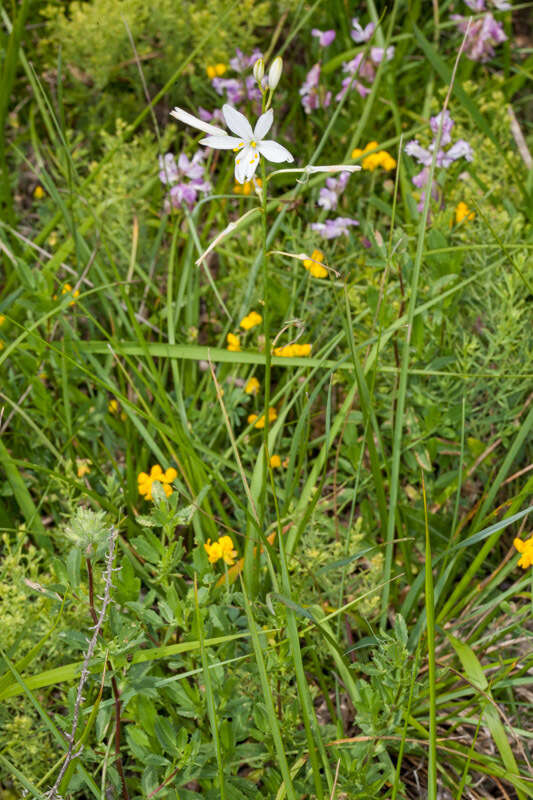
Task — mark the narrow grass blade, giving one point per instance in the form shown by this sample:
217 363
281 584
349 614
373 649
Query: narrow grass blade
267 698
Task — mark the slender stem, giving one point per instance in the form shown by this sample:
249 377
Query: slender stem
430 617
266 331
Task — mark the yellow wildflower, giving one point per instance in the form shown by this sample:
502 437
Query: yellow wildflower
221 549
246 188
378 159
2 319
463 212
260 421
114 408
83 467
316 269
526 548
66 289
293 350
215 71
38 192
275 461
234 344
252 387
251 320
156 474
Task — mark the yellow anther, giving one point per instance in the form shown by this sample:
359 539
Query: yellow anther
253 144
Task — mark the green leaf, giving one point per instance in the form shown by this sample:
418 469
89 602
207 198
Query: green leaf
472 667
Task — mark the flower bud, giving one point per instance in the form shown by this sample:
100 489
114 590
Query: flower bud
259 70
274 73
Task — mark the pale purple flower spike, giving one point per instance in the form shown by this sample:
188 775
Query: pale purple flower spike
185 178
360 34
332 228
325 38
330 193
483 35
310 93
424 155
363 68
240 89
479 5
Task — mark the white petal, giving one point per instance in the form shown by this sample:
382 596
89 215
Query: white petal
251 168
263 124
221 142
194 122
274 152
246 164
237 122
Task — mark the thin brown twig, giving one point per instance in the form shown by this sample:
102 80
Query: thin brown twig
114 685
106 599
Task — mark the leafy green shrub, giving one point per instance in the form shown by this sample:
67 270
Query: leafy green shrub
95 43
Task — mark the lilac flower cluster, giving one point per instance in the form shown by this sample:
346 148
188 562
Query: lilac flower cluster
186 179
313 96
332 228
242 88
360 34
328 200
330 193
484 33
325 38
424 156
361 67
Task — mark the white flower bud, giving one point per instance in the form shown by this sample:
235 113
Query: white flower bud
274 73
259 70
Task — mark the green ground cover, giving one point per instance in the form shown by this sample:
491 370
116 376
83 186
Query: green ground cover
200 599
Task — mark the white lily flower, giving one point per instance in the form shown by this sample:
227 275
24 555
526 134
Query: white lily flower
248 144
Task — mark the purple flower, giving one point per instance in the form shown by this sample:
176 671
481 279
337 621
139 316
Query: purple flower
443 158
330 193
422 178
422 154
332 228
241 62
479 5
207 116
360 34
168 171
363 69
447 126
325 38
377 54
483 35
253 92
310 92
459 149
234 88
185 178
